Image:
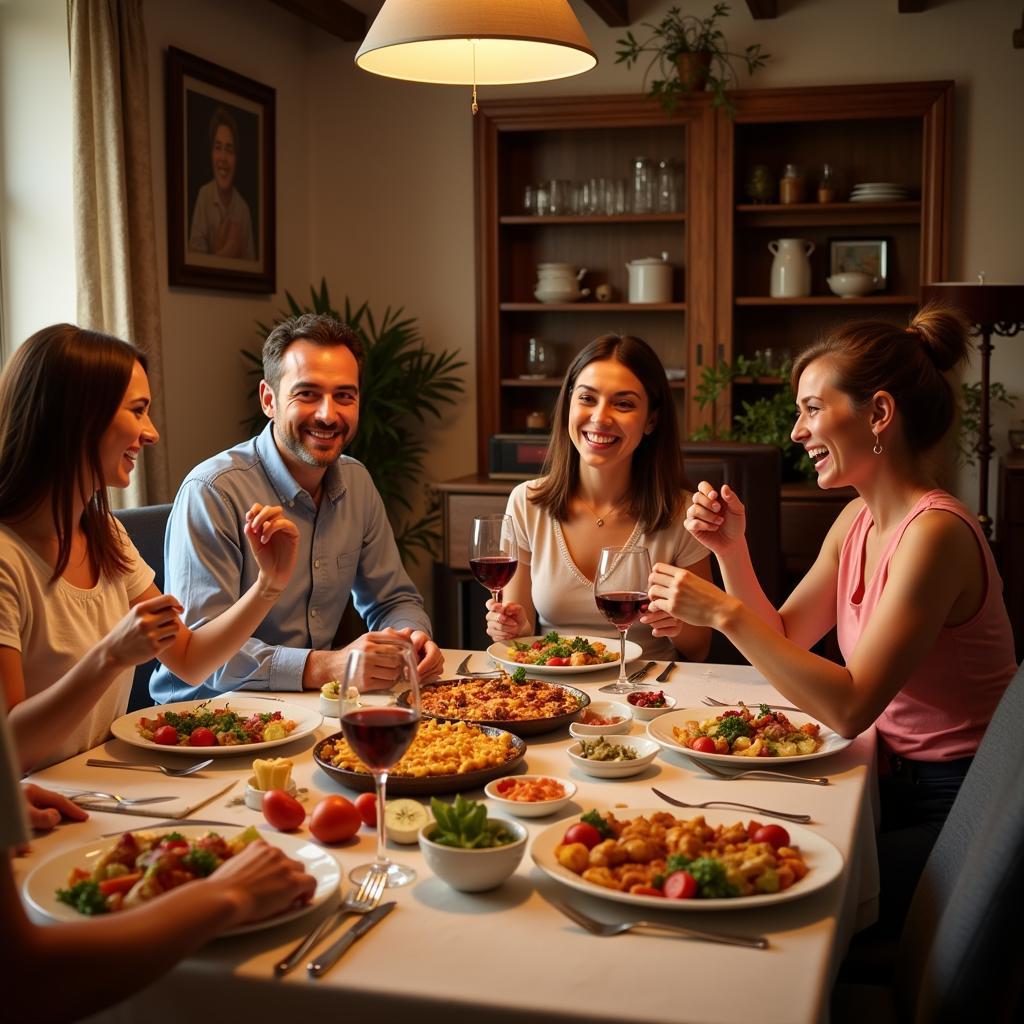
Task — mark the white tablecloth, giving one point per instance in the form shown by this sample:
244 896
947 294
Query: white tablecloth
509 955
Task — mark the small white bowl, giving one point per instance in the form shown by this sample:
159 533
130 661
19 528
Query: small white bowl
646 751
474 870
254 796
329 706
530 808
606 709
649 714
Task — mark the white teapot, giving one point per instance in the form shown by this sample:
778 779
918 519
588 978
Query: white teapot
559 282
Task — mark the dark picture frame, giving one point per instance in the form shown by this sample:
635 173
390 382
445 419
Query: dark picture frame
869 255
221 199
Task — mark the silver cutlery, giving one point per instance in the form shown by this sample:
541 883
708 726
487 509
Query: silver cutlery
175 773
786 815
600 928
358 901
665 672
759 773
634 677
330 956
466 672
173 823
711 702
121 801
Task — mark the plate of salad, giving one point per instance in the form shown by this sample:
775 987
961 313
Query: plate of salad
104 876
219 727
561 653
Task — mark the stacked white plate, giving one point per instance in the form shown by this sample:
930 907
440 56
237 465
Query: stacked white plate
879 192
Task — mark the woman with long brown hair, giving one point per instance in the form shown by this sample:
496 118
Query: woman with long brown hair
905 575
78 607
613 477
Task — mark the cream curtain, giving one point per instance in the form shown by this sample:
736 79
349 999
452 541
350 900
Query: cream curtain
115 238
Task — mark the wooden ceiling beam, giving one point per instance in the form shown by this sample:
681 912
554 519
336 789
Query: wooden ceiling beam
614 13
760 9
334 16
911 6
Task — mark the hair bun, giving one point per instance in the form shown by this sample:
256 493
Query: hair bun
943 332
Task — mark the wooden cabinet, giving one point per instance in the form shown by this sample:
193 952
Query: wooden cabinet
717 242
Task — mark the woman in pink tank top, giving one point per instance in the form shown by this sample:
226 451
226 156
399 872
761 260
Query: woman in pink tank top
904 574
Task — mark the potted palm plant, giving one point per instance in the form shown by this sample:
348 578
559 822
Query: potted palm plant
692 54
404 385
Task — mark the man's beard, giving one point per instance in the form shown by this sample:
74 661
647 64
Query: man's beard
303 454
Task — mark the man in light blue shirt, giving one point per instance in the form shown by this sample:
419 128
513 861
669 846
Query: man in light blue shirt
310 392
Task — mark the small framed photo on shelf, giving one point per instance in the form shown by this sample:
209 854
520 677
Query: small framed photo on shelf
867 255
220 177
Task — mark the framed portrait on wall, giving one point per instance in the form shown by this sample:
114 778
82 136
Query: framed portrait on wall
220 177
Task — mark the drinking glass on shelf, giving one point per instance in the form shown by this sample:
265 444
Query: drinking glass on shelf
380 713
620 591
644 185
493 554
560 196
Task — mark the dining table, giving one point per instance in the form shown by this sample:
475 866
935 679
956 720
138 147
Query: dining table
509 954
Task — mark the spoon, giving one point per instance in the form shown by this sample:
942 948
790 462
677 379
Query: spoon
176 773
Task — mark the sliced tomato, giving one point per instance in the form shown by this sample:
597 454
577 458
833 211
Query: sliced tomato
680 885
120 884
557 662
645 890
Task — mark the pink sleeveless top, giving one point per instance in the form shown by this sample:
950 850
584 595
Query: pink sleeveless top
944 707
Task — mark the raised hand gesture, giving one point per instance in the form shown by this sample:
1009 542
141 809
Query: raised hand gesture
717 519
274 541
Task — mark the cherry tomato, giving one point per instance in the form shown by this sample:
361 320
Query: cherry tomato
282 810
584 833
167 735
537 645
334 819
774 835
557 662
680 885
703 745
202 737
366 805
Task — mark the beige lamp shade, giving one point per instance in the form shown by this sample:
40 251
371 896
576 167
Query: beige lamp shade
481 42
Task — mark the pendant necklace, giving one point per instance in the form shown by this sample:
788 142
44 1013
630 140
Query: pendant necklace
599 519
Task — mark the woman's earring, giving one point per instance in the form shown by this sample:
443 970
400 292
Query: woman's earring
878 449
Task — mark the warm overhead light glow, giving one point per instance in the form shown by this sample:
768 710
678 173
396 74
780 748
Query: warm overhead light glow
476 42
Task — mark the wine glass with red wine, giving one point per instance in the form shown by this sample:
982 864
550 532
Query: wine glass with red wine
493 555
380 713
621 595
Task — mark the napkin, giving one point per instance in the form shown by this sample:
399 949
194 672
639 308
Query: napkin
191 792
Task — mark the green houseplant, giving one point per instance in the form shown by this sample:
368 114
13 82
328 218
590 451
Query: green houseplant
692 54
404 385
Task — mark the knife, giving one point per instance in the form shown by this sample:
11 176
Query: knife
170 822
332 954
665 672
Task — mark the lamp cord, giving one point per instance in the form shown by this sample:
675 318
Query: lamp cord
475 106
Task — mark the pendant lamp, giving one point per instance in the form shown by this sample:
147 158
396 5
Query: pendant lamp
471 42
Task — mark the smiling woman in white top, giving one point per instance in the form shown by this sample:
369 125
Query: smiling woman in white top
613 477
78 606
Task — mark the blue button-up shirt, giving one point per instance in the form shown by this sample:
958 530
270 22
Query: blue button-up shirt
345 547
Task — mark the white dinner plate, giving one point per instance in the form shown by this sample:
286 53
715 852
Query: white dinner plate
308 720
40 888
499 653
824 863
660 730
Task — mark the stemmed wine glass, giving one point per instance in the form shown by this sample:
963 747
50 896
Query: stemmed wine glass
621 595
380 713
493 554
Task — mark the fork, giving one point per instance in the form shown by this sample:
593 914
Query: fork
175 773
600 928
711 702
758 773
120 800
786 815
359 901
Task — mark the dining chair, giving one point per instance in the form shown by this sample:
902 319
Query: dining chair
961 956
146 527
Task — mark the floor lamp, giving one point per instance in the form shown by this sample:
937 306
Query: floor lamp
994 309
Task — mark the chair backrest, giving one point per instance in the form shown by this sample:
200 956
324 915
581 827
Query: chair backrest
146 527
961 951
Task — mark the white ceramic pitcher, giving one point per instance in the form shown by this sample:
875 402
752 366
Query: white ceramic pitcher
791 268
